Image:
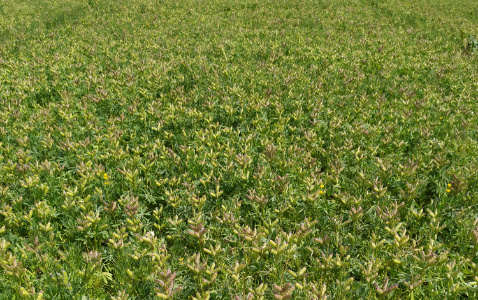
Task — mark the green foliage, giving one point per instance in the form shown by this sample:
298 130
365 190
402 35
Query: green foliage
238 149
471 45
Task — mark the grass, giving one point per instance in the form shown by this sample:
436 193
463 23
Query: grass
238 149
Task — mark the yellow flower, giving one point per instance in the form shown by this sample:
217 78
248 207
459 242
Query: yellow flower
448 190
322 186
449 185
105 176
321 192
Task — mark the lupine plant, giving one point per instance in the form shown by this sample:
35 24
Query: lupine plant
245 150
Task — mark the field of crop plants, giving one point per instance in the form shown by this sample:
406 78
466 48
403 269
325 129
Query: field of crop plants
246 149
